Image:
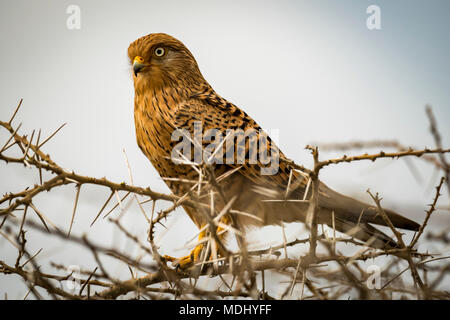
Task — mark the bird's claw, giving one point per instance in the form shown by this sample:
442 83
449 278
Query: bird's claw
188 261
180 263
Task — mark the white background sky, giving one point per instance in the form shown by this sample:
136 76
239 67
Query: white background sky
311 69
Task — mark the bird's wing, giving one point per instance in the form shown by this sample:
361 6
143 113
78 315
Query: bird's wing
215 112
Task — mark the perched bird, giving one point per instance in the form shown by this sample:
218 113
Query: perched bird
171 94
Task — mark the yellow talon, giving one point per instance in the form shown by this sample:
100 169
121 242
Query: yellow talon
194 257
189 260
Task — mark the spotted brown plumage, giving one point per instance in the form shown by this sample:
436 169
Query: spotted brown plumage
171 93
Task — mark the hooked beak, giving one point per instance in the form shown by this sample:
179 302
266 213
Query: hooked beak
138 64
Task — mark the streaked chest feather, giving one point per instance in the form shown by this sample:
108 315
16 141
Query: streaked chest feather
154 127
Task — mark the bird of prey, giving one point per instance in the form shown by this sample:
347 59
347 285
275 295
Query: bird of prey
171 94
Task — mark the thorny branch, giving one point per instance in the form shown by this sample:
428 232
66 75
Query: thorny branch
235 273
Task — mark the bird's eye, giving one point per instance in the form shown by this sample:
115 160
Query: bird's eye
159 52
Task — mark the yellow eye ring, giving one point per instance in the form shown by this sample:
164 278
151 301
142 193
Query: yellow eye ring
159 52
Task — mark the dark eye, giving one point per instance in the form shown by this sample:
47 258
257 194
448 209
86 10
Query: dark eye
160 51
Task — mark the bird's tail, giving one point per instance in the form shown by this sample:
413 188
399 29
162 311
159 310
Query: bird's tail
346 214
362 231
355 216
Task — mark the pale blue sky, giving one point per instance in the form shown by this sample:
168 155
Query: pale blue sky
308 68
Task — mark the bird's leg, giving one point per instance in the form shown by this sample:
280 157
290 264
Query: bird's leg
221 231
194 257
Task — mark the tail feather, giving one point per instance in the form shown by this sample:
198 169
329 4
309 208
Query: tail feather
364 232
357 211
351 216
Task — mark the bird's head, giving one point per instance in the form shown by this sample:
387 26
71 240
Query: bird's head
159 60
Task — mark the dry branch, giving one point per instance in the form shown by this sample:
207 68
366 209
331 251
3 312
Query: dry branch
315 272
